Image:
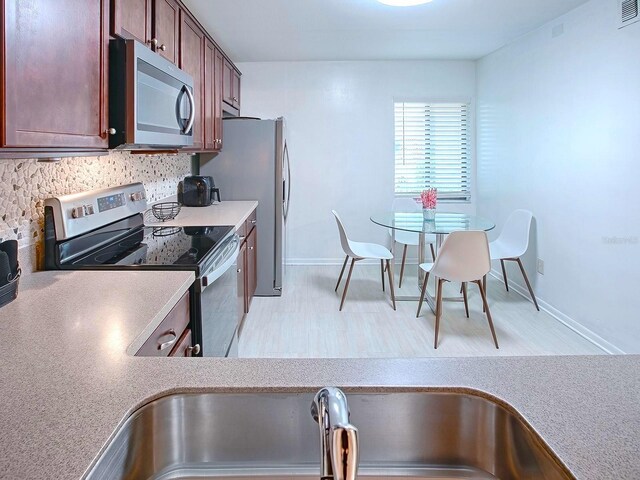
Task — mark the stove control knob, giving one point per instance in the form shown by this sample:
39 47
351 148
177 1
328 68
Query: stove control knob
137 196
77 212
88 210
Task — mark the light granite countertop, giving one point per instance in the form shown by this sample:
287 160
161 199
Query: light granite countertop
66 381
232 213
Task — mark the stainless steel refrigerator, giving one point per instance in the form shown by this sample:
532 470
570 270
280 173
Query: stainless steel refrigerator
254 165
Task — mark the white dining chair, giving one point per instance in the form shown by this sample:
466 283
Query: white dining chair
463 257
512 243
407 239
357 251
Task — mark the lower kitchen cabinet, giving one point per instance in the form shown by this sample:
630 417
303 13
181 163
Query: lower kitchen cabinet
242 283
252 266
173 336
247 264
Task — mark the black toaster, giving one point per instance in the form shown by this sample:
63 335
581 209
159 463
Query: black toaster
197 191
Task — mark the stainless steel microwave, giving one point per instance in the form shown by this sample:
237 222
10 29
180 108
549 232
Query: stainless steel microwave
151 103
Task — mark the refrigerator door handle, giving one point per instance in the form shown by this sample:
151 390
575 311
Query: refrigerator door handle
288 181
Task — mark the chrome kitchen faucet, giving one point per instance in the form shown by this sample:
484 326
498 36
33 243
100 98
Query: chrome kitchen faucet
338 438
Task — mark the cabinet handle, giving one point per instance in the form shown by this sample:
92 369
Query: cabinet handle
239 270
162 47
195 350
250 248
110 131
165 345
153 42
254 221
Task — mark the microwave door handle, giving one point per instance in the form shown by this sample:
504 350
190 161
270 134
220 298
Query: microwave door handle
192 108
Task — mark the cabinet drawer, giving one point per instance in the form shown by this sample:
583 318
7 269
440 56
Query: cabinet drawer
169 332
183 348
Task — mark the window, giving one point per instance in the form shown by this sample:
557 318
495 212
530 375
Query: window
432 150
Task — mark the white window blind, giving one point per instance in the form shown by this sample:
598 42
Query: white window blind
432 149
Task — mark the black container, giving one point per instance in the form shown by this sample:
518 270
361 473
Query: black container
9 292
197 191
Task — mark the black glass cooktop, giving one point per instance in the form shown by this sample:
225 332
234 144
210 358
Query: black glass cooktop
163 246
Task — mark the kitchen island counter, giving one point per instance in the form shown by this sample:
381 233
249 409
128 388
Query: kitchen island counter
67 382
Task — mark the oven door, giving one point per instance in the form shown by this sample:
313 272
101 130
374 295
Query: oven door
218 301
152 100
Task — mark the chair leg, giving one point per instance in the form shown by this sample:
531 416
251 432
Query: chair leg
404 259
438 311
344 265
433 252
382 273
422 294
464 296
393 295
346 287
486 307
526 280
504 275
484 286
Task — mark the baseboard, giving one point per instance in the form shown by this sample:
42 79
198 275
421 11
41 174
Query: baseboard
561 317
339 261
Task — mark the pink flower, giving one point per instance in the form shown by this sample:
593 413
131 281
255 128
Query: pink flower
429 198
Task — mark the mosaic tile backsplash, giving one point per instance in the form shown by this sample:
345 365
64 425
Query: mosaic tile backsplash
25 184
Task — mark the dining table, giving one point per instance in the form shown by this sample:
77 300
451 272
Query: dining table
430 229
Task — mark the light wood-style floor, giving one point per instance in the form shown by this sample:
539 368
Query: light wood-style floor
305 322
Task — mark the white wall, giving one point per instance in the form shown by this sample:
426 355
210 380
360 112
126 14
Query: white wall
559 134
340 122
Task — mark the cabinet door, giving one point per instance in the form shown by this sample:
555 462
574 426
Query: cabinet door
166 29
235 79
131 19
55 73
192 62
252 266
217 92
242 285
227 82
209 95
183 348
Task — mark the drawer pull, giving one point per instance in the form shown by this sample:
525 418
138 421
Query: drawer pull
165 345
254 221
195 350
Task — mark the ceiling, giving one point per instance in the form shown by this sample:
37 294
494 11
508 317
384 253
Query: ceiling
299 30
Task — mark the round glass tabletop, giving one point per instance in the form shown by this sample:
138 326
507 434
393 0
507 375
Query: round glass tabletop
443 224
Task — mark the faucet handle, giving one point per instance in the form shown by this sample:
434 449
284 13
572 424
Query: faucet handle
344 448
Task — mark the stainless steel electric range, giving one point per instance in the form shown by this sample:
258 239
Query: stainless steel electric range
105 229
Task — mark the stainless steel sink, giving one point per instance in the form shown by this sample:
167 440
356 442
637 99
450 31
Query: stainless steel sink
434 435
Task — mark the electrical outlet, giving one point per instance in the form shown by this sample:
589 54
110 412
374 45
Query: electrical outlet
540 266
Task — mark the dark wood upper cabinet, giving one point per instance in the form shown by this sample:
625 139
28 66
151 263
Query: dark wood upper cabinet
192 45
166 29
231 85
132 19
213 96
227 82
54 74
210 139
217 92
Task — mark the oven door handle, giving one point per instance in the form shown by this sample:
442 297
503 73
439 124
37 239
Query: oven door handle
212 275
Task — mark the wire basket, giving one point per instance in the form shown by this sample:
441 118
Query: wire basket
166 210
9 292
165 231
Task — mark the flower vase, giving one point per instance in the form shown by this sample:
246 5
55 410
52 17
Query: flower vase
429 214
